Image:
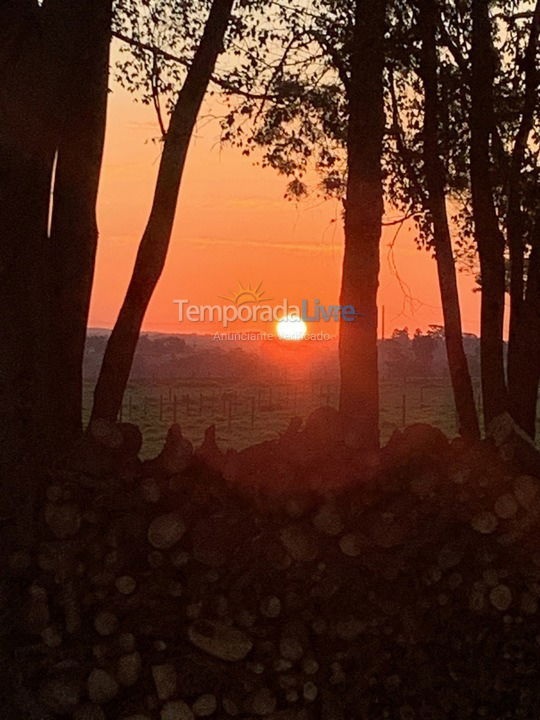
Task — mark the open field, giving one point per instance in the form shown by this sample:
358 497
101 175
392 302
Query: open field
246 413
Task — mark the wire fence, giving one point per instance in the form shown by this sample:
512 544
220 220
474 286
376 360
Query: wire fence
249 412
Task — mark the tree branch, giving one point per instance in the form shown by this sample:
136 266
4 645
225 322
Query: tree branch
515 214
155 97
336 57
220 82
402 149
401 220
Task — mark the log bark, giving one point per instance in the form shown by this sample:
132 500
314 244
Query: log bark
514 445
435 172
359 391
154 244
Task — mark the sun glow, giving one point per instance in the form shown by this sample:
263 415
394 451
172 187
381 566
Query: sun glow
291 328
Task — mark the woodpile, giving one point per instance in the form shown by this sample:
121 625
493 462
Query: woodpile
300 582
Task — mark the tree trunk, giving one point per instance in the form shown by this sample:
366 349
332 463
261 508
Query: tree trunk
74 231
29 87
154 244
359 393
526 367
435 180
522 373
43 47
488 235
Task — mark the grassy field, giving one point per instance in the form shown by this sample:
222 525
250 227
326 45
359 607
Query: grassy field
247 413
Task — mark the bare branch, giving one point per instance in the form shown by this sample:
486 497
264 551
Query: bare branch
220 82
401 220
155 96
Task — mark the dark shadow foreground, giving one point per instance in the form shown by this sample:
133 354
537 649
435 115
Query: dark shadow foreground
295 580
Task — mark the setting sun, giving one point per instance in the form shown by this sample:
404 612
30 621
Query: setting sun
291 328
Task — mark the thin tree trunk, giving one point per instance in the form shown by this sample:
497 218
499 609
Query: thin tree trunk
435 180
154 245
522 387
359 392
488 235
74 231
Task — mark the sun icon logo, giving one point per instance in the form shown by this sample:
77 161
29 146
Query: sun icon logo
247 295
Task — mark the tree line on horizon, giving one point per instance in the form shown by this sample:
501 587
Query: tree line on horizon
163 358
409 111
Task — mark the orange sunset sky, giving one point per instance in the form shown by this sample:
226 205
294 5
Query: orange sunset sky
234 226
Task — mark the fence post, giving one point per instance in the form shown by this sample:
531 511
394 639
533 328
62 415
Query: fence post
479 398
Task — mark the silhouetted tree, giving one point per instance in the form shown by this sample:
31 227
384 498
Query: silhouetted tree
488 235
364 207
523 235
319 103
51 136
74 232
154 244
435 202
505 201
487 122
